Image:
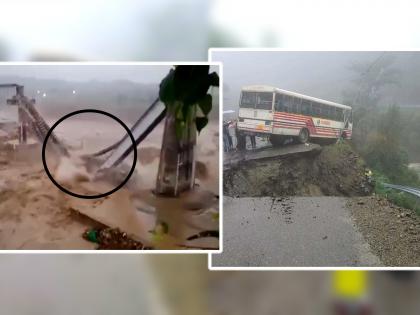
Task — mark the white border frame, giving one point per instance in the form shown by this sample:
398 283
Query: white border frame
218 268
136 63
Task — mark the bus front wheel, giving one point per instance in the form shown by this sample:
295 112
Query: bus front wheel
303 136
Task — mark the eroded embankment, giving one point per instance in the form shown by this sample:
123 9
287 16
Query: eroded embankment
334 171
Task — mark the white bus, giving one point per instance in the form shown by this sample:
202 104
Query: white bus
279 114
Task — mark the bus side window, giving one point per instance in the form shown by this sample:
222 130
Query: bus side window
297 105
347 115
305 107
340 114
292 104
337 114
328 112
287 103
322 110
316 109
331 113
279 103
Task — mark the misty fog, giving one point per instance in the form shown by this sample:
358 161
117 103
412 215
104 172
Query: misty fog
324 75
123 90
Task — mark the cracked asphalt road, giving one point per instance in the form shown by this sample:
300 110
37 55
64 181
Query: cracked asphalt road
291 232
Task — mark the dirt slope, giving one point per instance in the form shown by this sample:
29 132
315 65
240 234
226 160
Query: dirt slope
336 171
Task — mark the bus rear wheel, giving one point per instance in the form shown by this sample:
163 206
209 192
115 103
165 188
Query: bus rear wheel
303 136
276 140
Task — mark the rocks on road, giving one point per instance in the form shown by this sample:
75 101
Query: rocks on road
392 232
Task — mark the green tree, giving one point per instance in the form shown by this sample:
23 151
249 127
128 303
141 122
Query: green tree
410 133
384 151
370 80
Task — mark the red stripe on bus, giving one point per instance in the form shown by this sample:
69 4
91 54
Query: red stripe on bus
288 123
295 117
287 126
290 115
303 122
254 129
319 133
291 118
328 128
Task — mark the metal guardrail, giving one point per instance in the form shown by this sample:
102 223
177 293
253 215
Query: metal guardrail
410 190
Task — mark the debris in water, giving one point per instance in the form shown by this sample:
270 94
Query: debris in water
91 235
70 171
204 234
111 238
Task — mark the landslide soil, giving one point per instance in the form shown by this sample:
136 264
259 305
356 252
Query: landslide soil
335 171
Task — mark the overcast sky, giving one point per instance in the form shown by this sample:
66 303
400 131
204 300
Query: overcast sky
322 24
105 30
320 74
142 74
135 73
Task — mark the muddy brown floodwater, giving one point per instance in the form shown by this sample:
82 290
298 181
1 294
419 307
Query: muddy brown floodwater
35 214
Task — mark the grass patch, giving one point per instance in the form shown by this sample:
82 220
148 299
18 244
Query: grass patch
399 198
338 150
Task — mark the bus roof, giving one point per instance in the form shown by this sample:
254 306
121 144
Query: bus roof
268 88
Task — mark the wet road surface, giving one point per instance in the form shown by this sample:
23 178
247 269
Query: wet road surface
291 232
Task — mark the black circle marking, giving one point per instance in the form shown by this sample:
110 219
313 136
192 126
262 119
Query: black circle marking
44 162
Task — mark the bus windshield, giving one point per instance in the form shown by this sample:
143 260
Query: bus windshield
257 100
